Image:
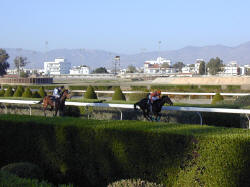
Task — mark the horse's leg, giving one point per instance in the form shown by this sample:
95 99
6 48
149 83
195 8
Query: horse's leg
44 109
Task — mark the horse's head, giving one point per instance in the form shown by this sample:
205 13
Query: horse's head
167 100
66 94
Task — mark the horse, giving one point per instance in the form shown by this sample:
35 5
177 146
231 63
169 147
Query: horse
156 107
57 103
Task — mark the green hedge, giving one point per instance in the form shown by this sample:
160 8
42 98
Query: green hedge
78 87
211 87
177 87
97 153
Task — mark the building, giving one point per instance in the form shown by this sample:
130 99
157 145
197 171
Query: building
57 67
158 66
79 70
231 69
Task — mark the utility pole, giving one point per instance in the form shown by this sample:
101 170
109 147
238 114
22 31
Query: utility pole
117 62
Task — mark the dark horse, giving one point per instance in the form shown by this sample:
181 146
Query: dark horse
156 107
58 103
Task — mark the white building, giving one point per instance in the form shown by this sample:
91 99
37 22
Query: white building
58 67
79 70
160 66
231 69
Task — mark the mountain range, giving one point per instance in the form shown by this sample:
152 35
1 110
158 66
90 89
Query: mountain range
101 58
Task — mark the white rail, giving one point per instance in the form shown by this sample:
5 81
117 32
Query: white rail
169 93
131 106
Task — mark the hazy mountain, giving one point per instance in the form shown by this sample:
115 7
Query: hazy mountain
98 58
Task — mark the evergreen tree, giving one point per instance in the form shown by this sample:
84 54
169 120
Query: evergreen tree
9 92
118 95
42 92
90 93
27 93
19 91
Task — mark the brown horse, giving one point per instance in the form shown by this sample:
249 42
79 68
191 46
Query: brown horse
58 103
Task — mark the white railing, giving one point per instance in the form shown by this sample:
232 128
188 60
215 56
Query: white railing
131 106
169 93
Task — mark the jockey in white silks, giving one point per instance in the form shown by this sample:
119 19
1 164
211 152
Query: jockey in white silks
57 92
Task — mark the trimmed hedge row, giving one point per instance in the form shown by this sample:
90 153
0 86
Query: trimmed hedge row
96 153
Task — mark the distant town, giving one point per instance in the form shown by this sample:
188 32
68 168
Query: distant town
160 66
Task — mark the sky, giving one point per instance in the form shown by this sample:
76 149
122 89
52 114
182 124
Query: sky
123 26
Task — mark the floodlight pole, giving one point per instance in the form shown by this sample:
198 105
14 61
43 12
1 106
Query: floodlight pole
117 61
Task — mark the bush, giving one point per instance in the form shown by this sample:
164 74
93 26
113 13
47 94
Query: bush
24 170
90 93
103 87
42 92
233 87
217 98
118 95
27 93
211 88
35 94
242 101
78 87
2 92
134 183
19 91
9 92
95 153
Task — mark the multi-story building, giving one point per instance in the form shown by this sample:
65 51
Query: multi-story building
58 67
160 65
79 70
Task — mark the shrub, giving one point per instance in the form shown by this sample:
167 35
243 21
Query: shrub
118 95
217 98
9 92
35 94
242 101
2 92
90 93
78 87
19 91
42 92
210 88
134 183
24 170
233 87
27 93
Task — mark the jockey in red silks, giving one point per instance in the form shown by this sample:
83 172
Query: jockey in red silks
153 97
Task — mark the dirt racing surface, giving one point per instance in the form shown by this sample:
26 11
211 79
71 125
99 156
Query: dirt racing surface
212 80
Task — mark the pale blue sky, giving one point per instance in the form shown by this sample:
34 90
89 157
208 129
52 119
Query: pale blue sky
123 26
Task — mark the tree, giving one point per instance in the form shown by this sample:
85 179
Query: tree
214 65
202 68
90 93
4 65
131 69
118 95
100 70
165 65
178 65
19 62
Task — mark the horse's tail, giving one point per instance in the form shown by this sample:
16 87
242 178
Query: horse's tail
135 106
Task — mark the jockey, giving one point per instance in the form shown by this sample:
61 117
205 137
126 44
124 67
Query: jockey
153 97
57 92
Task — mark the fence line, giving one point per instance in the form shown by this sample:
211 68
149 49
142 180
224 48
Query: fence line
131 106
